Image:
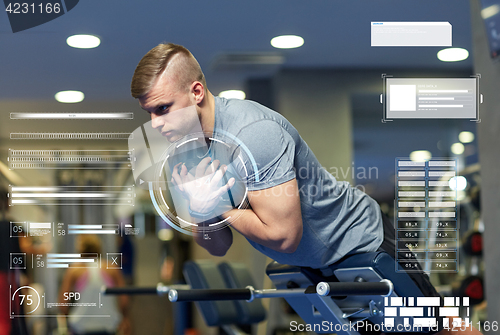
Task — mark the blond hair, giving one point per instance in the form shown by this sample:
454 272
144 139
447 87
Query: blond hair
184 68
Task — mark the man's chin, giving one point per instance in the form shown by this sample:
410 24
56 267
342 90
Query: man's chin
172 138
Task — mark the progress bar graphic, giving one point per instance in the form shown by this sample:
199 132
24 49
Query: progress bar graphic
67 159
71 116
112 229
84 260
71 195
24 229
70 136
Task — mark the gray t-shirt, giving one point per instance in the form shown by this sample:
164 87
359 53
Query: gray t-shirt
337 218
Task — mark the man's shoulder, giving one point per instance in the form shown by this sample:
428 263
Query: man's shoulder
246 113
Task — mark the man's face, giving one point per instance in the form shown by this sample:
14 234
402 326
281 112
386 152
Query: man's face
172 109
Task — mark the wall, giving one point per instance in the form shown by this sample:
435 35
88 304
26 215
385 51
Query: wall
317 103
489 138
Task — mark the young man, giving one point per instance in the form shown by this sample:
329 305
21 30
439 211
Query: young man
299 214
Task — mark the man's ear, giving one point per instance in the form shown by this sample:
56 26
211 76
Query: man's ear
198 91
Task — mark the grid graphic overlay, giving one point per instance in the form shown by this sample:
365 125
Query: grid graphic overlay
426 215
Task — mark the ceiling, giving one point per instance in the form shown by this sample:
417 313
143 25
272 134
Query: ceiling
37 63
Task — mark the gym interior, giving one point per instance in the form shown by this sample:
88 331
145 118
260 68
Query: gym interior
74 187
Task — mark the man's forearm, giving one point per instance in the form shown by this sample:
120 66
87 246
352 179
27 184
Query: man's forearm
245 222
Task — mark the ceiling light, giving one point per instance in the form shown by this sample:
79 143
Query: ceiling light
457 148
458 183
490 11
69 96
452 54
287 42
420 156
165 234
466 137
83 41
233 94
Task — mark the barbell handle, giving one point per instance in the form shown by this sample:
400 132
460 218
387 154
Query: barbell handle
128 290
160 289
340 289
209 294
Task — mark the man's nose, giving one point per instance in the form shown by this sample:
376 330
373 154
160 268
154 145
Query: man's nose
156 121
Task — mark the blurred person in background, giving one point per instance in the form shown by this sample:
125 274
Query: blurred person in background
8 277
88 281
126 248
167 270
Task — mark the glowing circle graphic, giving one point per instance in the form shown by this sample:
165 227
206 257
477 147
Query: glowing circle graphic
207 166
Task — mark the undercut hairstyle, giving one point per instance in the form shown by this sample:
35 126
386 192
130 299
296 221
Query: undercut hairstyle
183 68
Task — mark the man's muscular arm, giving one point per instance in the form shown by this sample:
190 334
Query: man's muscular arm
275 220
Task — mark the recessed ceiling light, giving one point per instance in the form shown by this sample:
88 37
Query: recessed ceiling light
83 41
457 148
287 42
420 156
233 94
452 54
69 96
466 137
490 11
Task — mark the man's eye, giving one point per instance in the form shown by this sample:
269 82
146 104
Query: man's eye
162 108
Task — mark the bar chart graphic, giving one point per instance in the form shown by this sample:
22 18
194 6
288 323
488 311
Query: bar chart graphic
111 229
84 260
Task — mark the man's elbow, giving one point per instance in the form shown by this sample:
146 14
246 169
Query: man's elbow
218 252
289 248
290 243
214 249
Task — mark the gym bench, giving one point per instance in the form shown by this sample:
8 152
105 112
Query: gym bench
358 289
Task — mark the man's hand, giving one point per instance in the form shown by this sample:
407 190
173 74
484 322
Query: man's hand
202 189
